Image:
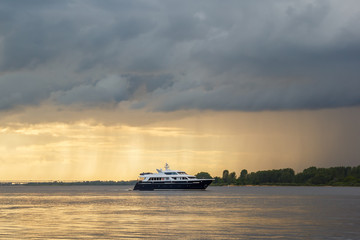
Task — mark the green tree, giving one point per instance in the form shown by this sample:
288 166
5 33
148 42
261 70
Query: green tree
232 178
225 176
322 176
203 175
306 175
287 175
355 171
243 176
243 173
218 180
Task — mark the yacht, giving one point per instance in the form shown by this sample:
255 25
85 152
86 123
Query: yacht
170 180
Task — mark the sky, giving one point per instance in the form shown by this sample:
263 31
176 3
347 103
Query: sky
104 90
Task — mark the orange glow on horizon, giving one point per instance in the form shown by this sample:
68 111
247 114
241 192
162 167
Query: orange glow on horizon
204 141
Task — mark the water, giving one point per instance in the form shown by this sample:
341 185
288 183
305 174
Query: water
113 212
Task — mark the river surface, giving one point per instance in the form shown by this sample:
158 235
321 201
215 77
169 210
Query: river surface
114 212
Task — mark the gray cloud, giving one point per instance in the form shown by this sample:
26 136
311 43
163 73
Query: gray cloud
109 89
167 55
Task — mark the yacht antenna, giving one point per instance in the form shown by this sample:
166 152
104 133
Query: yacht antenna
166 166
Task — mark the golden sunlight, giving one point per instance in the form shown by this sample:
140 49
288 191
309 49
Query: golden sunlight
202 141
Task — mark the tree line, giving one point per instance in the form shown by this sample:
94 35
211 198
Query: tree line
333 176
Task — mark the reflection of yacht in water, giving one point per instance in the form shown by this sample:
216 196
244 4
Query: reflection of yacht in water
170 179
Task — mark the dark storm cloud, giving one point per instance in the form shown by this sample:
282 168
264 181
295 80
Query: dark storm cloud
169 55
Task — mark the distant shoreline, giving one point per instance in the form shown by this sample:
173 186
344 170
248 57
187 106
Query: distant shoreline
133 182
312 176
286 185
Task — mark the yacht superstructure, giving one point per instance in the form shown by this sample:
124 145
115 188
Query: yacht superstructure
170 179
